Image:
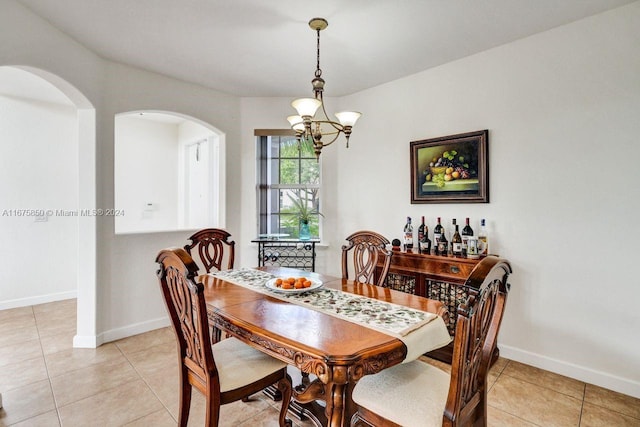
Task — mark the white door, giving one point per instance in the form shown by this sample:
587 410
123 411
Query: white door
197 184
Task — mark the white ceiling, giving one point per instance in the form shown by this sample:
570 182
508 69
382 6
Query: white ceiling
265 47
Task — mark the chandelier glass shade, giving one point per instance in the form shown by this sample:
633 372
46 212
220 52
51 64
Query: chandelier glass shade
312 124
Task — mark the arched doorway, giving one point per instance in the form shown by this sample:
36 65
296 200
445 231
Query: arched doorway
82 179
168 173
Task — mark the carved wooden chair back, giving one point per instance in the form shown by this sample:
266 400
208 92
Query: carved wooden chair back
214 247
185 302
465 399
366 248
477 328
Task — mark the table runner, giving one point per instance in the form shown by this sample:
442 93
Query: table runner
392 319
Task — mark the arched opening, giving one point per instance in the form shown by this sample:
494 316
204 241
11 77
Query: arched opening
168 173
49 171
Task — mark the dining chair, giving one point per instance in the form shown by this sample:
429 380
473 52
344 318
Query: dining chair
214 247
224 372
419 394
366 248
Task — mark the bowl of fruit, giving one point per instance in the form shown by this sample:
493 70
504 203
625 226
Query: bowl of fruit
448 167
293 285
435 170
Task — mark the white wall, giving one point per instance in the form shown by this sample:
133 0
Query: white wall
146 156
39 152
30 42
125 298
129 301
562 109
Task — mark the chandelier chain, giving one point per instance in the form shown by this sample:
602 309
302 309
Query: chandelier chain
318 70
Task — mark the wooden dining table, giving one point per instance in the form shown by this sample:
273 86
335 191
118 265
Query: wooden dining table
334 351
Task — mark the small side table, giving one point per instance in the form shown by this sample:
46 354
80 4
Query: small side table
292 253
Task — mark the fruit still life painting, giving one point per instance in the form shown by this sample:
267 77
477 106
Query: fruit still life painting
449 168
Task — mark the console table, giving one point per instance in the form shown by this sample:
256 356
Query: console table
442 278
292 253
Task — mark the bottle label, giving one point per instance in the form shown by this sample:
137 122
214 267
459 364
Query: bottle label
408 240
465 242
443 247
436 237
457 248
483 248
472 248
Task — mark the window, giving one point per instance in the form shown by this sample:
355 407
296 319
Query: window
288 176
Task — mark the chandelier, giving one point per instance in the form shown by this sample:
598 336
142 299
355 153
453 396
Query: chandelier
319 131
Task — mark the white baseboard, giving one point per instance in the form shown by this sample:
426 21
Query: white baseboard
135 329
86 341
40 299
590 376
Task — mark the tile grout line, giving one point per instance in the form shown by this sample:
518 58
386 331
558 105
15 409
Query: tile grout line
145 382
103 391
608 408
584 392
46 367
499 409
516 416
544 386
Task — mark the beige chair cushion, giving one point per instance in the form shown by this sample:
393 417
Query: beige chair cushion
240 364
409 394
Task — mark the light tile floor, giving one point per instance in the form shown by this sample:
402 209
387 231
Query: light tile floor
134 382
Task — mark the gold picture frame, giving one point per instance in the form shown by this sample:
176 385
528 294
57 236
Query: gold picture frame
451 169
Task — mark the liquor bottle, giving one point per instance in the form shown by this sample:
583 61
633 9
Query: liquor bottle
408 235
466 232
453 227
483 237
424 244
437 234
443 244
456 242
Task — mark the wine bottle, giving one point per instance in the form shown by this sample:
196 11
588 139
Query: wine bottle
483 236
453 227
456 242
424 244
420 232
437 234
466 232
443 244
408 235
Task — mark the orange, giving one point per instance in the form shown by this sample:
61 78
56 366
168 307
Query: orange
307 283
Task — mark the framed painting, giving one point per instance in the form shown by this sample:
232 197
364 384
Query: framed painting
451 169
